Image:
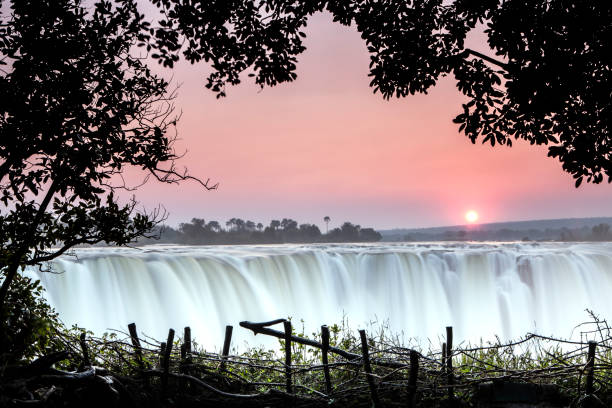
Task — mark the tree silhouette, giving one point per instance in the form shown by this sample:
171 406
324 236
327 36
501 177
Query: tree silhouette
236 224
194 231
309 232
601 232
546 80
327 220
77 109
213 226
287 224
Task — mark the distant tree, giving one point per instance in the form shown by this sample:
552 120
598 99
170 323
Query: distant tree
259 226
275 224
235 224
240 224
193 232
309 232
250 226
327 220
270 234
347 232
369 235
601 232
198 223
289 225
213 226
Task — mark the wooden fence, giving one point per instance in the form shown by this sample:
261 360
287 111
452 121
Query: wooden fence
384 374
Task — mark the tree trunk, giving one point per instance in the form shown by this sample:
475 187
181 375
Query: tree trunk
10 276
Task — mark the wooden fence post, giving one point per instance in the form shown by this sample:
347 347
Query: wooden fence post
368 369
443 357
590 368
136 345
186 350
412 380
86 361
324 350
449 364
226 346
288 332
166 351
187 341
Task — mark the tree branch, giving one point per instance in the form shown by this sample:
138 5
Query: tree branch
4 168
493 61
61 251
16 258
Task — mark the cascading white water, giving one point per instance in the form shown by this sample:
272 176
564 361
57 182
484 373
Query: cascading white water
482 290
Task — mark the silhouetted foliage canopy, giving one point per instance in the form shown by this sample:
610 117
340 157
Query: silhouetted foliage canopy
548 81
77 107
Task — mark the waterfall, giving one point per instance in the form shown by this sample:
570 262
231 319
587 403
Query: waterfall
482 290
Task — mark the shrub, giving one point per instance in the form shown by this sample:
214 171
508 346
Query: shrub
29 321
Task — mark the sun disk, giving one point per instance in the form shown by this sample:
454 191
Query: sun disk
471 216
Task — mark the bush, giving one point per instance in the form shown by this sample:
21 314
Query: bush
28 322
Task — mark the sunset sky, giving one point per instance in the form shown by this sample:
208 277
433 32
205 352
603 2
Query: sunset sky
326 145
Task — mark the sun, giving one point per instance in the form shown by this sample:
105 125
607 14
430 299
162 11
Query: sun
471 216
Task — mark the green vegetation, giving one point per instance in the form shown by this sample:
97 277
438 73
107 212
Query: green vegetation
258 374
238 231
31 324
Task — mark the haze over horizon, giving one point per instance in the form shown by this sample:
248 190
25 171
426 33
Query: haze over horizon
325 145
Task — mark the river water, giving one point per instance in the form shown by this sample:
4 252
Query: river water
481 289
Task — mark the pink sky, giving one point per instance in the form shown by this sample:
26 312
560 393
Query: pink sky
326 145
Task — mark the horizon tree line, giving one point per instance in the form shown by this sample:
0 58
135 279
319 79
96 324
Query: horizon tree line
597 233
238 231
